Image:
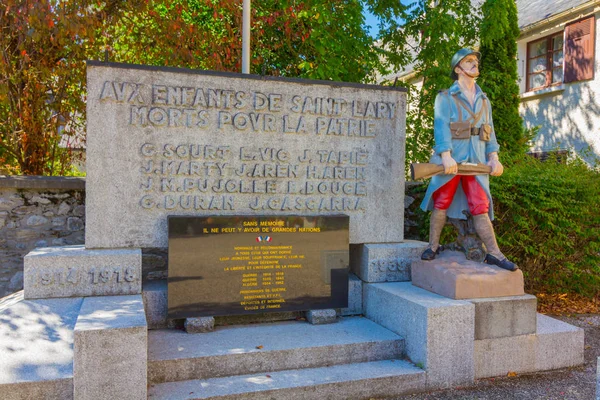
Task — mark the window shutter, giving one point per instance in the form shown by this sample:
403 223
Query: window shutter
579 50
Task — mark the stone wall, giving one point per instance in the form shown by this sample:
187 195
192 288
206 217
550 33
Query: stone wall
37 212
50 211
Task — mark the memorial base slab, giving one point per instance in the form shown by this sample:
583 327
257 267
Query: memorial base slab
452 275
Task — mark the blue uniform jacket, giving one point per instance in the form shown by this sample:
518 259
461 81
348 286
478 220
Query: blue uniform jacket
471 150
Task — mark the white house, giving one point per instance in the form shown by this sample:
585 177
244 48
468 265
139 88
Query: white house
558 75
559 80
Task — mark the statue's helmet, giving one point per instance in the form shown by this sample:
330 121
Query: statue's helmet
457 58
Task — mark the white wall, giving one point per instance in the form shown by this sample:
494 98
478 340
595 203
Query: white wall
568 115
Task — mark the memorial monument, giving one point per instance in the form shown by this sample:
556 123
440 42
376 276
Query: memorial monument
266 192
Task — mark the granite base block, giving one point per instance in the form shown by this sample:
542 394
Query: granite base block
74 271
320 317
438 331
199 324
453 276
111 344
355 293
505 316
389 262
154 294
555 345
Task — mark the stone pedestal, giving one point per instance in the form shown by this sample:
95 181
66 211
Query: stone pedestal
505 316
320 317
438 331
110 349
355 300
453 276
555 345
73 271
199 324
385 262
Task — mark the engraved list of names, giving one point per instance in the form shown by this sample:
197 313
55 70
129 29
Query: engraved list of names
181 143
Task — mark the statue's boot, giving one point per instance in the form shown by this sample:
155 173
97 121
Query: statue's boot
485 231
438 220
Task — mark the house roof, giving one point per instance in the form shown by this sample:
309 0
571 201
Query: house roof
532 11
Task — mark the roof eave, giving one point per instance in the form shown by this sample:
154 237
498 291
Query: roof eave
531 28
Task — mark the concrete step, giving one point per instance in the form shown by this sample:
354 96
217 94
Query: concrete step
234 350
348 381
36 347
555 345
439 332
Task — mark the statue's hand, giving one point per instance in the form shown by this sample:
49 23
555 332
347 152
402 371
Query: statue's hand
497 168
449 163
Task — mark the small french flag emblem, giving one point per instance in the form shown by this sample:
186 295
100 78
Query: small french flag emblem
264 238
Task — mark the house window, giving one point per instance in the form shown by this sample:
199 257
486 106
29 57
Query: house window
545 62
562 57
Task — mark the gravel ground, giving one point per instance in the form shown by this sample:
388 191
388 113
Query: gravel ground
565 384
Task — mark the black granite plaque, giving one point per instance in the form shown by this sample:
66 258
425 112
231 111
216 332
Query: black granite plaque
232 265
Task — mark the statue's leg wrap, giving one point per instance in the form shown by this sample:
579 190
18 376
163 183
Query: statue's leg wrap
438 220
485 231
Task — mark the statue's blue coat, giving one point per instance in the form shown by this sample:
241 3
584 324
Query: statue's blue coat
470 150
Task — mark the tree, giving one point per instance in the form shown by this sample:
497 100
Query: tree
498 37
309 39
436 32
44 46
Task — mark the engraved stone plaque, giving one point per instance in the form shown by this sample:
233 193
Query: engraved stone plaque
73 271
238 265
166 141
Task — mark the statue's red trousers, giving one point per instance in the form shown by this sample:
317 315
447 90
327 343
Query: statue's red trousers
476 197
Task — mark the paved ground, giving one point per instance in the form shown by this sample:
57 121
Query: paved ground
566 384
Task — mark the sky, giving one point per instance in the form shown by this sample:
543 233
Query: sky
371 21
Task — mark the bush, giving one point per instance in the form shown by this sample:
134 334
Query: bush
548 222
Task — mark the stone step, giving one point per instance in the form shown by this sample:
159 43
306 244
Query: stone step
438 331
348 381
234 350
555 345
36 347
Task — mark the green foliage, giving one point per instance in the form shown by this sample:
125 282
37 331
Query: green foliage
498 35
438 31
547 221
44 45
308 39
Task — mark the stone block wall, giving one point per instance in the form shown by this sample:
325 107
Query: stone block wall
37 212
50 211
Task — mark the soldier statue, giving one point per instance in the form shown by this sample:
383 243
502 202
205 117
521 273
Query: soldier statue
464 133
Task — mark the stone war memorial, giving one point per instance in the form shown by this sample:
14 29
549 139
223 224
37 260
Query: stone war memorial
278 205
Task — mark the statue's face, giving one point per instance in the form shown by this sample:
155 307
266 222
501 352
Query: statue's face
469 64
